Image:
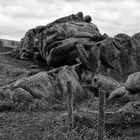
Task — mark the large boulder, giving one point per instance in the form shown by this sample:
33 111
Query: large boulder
130 91
107 84
133 82
117 93
52 84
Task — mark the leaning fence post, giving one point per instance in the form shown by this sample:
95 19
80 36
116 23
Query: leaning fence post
101 115
70 104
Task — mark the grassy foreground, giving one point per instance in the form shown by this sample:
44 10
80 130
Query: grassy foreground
40 119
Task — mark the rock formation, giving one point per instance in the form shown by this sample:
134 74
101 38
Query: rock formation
59 37
117 94
133 82
52 84
105 83
120 54
74 39
130 91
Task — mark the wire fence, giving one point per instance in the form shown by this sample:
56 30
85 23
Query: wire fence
101 110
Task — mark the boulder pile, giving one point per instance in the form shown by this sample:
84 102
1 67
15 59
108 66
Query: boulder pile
73 39
55 42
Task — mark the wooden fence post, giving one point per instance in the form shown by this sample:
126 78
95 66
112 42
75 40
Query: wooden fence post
70 104
101 115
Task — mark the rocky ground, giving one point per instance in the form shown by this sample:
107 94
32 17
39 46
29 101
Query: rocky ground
39 119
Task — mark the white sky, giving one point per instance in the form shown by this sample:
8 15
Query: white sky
111 16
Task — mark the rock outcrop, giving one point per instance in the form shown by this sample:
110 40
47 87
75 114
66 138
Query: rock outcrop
65 41
120 54
52 84
74 39
59 37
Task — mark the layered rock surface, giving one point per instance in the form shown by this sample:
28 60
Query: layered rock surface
58 44
121 54
59 36
52 84
73 39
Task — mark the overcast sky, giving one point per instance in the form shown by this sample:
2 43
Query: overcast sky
111 16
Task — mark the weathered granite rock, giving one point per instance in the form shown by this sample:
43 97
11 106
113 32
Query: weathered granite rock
117 57
105 83
63 52
109 53
130 91
66 40
52 84
41 40
133 82
117 93
89 57
64 31
120 54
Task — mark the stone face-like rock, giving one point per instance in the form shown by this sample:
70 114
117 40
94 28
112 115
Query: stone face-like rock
104 83
133 82
52 84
